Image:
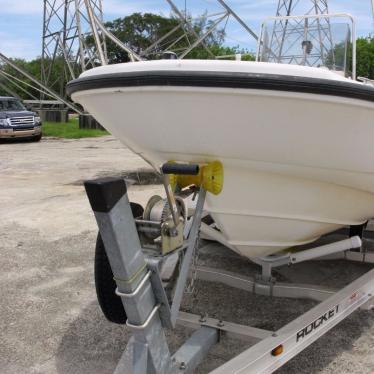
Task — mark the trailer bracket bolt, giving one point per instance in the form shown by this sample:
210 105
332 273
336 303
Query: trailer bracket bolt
182 366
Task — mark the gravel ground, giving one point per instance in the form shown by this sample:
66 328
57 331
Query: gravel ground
50 321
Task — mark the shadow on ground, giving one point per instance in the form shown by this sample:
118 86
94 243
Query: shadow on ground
17 140
91 344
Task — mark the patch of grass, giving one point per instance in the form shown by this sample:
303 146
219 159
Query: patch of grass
70 130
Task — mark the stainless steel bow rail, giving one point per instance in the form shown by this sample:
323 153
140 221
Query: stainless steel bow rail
141 279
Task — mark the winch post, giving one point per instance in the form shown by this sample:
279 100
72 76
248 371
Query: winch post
186 264
148 347
171 200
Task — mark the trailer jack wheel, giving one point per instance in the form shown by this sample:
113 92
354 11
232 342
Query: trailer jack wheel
110 304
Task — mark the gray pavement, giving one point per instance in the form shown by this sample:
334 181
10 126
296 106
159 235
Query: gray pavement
50 321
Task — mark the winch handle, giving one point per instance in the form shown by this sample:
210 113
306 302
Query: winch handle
180 169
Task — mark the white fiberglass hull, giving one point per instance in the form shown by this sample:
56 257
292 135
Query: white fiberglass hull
297 165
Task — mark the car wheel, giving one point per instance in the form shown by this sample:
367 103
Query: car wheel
37 138
110 304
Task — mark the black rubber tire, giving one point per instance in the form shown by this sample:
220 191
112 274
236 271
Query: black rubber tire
110 304
37 138
357 230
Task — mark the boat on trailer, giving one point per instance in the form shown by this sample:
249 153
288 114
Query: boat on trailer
295 141
294 144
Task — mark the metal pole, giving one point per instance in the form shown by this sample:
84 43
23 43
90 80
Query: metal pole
284 31
45 88
9 78
238 18
115 40
92 19
80 35
200 39
192 238
63 47
42 63
321 44
7 89
101 17
354 49
157 42
188 26
305 38
14 79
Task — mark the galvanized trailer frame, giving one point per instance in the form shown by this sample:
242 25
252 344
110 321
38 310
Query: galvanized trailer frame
140 285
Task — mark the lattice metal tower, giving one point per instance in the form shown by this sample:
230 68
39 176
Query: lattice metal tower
216 14
301 41
66 26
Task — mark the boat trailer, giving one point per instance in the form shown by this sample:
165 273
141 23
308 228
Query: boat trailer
143 276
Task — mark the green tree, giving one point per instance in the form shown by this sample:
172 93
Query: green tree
340 58
365 57
33 67
140 31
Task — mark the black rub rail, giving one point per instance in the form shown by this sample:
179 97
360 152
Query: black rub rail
274 82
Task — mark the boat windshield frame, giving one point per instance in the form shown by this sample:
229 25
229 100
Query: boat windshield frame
314 16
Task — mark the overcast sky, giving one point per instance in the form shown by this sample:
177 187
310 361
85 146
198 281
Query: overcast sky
21 20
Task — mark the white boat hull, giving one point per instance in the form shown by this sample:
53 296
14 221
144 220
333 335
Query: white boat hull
297 165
